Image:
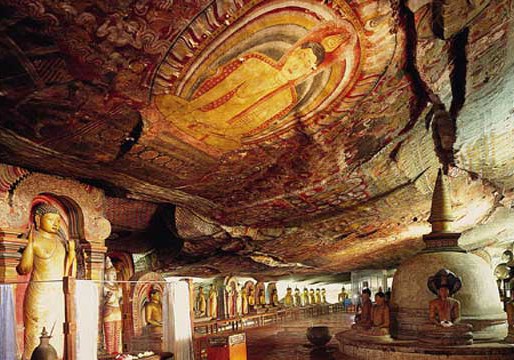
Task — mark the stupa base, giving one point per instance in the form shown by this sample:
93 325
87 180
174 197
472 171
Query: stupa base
361 347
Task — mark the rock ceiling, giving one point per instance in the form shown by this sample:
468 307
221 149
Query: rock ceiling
293 136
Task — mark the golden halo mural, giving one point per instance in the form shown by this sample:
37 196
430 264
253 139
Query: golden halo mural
244 73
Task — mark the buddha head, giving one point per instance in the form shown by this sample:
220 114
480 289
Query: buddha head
303 60
443 292
47 218
110 270
155 296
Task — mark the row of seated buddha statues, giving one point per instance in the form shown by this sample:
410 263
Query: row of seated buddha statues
443 325
227 298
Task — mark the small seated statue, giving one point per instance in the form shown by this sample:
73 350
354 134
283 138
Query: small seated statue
363 317
444 312
288 299
318 297
153 312
312 297
297 298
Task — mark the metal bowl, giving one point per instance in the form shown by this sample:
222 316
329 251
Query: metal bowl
319 336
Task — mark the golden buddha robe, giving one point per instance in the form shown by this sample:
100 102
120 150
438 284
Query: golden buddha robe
43 305
213 304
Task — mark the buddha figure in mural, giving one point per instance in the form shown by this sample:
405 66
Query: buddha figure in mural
318 296
212 310
312 297
288 299
111 315
253 91
153 312
363 317
201 303
305 297
244 302
323 296
297 297
47 257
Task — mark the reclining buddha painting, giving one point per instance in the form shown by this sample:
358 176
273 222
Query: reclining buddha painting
298 64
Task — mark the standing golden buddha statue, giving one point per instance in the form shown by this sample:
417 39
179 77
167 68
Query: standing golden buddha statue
213 303
112 310
48 258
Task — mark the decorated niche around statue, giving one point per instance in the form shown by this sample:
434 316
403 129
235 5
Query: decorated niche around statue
145 313
445 326
111 310
48 257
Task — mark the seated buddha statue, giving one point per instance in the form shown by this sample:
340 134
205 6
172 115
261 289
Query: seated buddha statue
323 296
318 296
305 297
297 298
312 297
342 296
262 298
288 299
274 298
153 312
380 318
363 317
251 299
444 326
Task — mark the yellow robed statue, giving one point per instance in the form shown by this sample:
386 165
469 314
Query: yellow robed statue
48 260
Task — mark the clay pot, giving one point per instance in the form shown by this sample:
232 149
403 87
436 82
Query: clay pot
319 336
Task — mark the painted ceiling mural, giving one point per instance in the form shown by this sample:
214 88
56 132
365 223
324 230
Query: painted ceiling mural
292 135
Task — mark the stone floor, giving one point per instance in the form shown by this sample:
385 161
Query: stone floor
287 340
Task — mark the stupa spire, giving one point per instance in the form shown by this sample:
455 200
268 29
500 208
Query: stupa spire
441 216
442 238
